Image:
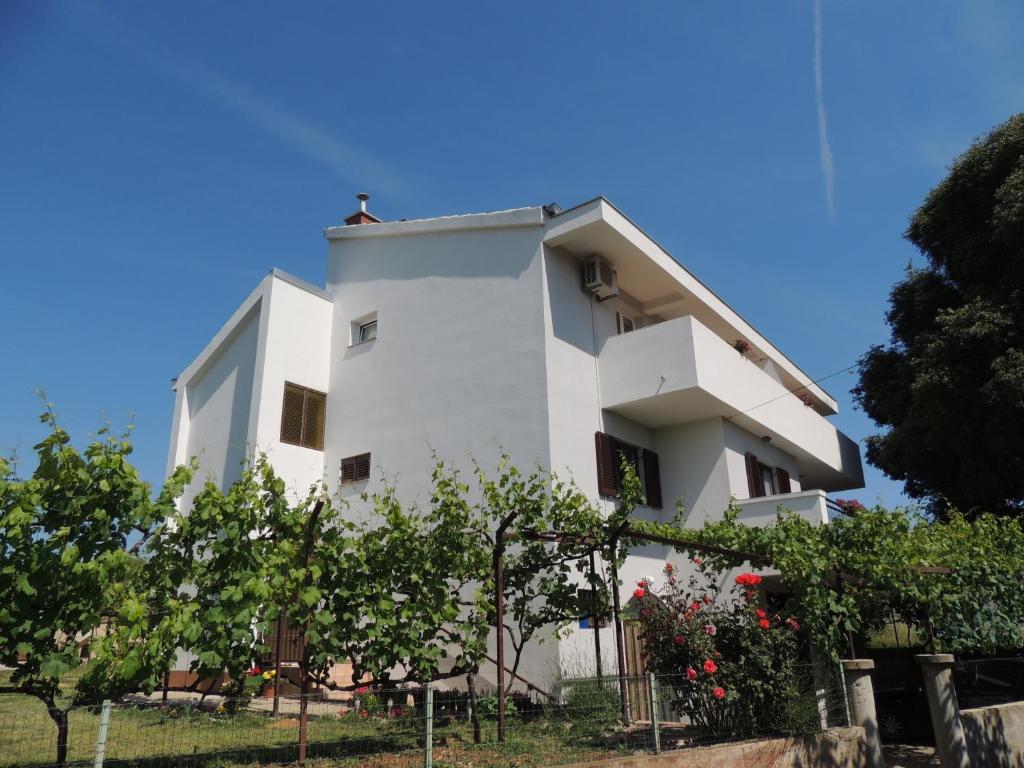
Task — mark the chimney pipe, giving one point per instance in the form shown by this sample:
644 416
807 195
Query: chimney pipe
362 216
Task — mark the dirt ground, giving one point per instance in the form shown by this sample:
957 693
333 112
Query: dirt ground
910 756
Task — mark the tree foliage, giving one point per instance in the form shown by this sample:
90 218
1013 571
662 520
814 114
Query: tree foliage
856 573
68 557
949 386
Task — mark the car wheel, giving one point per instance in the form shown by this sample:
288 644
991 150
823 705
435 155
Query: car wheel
891 725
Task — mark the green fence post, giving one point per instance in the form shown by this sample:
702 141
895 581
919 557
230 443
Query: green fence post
652 695
101 738
428 739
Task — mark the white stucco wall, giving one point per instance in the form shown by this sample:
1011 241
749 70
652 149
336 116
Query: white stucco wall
297 329
218 399
458 364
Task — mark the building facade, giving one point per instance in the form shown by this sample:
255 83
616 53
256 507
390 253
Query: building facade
558 337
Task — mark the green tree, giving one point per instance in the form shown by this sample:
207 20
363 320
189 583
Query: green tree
949 386
69 540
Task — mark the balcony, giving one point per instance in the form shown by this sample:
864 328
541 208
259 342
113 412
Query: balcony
814 506
680 371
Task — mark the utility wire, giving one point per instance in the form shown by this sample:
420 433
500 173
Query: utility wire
792 391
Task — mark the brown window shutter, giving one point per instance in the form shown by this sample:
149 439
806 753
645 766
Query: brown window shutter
313 418
652 480
607 484
755 483
348 470
363 466
783 480
291 415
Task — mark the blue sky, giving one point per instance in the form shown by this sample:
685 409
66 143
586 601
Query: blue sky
158 159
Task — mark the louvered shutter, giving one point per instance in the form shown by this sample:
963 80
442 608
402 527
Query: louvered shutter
348 470
363 466
607 483
652 480
755 483
782 476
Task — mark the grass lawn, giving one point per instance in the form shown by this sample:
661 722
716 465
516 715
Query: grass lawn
184 736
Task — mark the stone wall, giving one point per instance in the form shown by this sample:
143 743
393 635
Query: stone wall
995 735
834 748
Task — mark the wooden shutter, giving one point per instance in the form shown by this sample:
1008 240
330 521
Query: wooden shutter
313 417
348 470
291 415
363 466
755 483
652 480
782 476
607 482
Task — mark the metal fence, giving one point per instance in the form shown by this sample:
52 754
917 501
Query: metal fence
582 720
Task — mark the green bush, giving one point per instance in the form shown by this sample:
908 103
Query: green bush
488 707
732 666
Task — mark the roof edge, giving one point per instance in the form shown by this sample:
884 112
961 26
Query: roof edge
298 282
532 216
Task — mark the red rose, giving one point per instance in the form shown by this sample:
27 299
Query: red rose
706 599
710 667
638 593
764 623
748 579
695 606
669 568
761 614
679 639
718 693
697 561
691 673
793 624
710 630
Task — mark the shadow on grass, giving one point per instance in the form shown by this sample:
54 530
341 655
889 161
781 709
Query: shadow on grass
284 753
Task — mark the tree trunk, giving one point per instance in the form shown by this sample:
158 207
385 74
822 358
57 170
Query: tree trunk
475 714
60 719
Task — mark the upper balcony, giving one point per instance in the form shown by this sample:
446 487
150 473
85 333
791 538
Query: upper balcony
679 371
814 506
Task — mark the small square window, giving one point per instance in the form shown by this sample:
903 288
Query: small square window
355 468
363 329
368 331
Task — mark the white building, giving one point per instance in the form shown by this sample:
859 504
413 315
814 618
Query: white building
471 335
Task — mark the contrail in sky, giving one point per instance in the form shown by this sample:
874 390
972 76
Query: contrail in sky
290 129
828 171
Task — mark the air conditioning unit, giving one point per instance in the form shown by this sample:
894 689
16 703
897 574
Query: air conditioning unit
599 278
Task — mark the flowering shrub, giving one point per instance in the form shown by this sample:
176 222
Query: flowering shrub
733 666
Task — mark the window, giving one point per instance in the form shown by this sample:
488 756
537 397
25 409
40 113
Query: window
355 468
623 323
368 331
763 480
610 451
363 329
302 416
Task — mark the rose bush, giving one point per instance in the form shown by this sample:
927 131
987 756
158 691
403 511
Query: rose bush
734 667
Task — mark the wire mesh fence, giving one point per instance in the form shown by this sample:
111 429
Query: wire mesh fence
582 719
